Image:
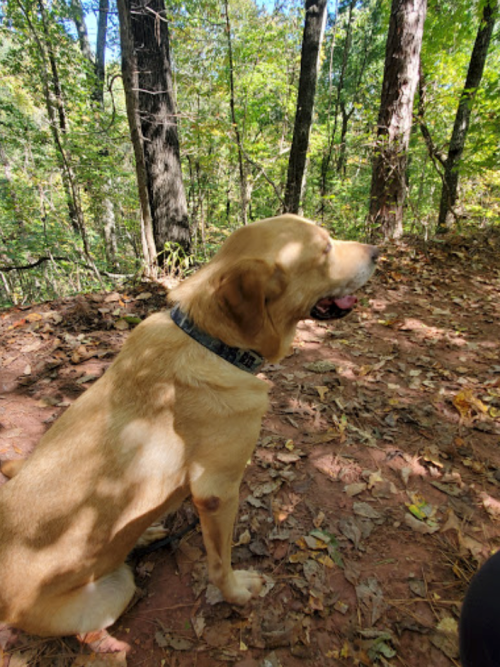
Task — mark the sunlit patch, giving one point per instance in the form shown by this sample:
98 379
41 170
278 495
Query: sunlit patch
291 253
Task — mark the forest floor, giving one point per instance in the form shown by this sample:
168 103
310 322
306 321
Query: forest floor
374 491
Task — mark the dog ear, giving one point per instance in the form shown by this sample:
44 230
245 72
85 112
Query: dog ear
244 291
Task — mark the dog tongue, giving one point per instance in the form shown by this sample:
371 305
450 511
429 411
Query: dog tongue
346 302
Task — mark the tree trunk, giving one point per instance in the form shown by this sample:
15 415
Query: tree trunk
131 86
244 196
462 118
402 57
79 21
158 123
109 230
311 44
16 204
100 51
325 163
104 205
58 123
342 159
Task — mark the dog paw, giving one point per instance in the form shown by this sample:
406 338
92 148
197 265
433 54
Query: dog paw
8 636
101 641
244 585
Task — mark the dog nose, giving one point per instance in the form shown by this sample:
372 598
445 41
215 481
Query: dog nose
374 253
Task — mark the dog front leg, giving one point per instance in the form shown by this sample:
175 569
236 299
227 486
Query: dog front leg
217 516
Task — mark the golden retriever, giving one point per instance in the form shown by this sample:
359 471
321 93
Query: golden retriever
178 413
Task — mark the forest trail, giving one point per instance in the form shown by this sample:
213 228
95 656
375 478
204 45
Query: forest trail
374 491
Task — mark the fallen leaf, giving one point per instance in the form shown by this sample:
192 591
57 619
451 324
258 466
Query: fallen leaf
170 640
322 392
366 511
121 324
355 489
491 505
34 317
86 378
198 623
370 594
321 366
420 526
467 404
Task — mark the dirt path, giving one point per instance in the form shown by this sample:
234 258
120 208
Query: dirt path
374 490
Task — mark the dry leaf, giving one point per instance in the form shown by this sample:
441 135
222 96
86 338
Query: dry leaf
322 392
118 659
121 325
420 526
355 489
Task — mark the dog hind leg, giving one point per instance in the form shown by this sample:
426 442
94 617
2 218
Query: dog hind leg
90 608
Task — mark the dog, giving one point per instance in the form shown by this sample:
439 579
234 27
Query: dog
177 414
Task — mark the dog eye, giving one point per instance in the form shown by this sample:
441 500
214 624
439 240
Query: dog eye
328 248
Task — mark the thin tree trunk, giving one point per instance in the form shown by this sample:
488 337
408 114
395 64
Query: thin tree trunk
109 230
325 164
100 50
311 44
244 197
462 118
58 122
81 29
104 206
342 158
16 204
402 57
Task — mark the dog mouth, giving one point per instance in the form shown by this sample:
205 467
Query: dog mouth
331 308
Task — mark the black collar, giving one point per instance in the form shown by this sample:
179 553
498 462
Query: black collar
246 360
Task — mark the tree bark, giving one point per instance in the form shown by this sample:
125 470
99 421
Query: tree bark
158 123
79 21
462 118
402 57
130 86
100 50
311 44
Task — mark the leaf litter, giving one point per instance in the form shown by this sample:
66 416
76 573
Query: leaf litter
373 495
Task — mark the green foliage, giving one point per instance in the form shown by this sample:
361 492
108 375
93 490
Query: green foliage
266 42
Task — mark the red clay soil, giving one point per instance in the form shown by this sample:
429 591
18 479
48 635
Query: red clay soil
373 494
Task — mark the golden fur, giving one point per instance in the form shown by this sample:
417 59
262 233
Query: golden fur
167 420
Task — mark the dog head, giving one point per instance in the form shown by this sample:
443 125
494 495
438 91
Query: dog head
270 275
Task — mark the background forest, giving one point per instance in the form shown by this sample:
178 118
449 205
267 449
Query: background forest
70 213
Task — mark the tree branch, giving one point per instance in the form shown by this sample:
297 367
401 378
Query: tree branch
40 260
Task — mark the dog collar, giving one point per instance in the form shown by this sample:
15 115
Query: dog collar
246 360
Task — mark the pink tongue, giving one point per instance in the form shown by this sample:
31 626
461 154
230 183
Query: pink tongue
346 302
